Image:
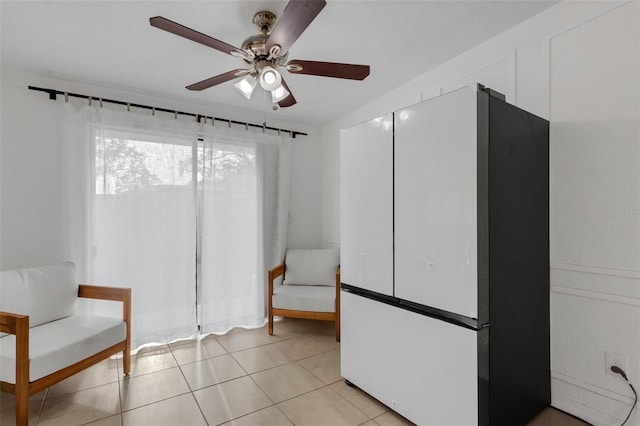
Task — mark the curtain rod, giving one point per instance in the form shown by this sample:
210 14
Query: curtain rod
54 93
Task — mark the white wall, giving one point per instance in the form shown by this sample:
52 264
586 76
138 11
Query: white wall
576 64
32 204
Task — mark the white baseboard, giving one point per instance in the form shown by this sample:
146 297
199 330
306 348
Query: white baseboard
585 401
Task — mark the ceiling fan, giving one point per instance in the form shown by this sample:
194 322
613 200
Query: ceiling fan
268 51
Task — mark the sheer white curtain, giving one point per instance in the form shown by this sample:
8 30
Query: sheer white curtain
239 176
132 215
182 213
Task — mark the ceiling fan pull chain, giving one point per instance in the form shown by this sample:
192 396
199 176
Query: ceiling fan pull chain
175 115
229 122
128 107
100 100
213 121
153 111
89 100
246 126
66 96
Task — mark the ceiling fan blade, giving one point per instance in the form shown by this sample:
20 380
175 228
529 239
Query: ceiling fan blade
193 35
210 82
289 100
329 69
295 18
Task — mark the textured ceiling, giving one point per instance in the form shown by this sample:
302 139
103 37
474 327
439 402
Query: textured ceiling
111 44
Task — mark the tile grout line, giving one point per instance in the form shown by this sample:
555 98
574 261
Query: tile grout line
191 391
46 394
119 389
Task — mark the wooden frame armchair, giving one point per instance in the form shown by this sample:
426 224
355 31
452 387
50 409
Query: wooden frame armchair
325 299
18 325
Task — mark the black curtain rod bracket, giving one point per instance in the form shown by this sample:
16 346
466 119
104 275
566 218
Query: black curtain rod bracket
53 95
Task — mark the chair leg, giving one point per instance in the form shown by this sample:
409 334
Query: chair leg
126 362
270 322
22 407
337 329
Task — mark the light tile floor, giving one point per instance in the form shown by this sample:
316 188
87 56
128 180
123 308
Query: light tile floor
244 378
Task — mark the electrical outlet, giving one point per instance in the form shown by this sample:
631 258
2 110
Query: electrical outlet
619 360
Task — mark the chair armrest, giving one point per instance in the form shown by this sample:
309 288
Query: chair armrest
13 323
104 293
119 295
276 271
19 325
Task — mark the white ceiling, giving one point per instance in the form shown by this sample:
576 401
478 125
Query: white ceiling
111 44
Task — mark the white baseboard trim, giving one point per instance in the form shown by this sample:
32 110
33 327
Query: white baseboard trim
583 412
591 403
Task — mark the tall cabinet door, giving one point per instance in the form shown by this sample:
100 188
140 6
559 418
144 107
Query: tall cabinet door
435 203
366 205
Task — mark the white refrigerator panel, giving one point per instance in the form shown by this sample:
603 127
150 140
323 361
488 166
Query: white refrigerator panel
366 205
435 203
423 368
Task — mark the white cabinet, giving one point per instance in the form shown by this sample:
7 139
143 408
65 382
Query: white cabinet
422 367
435 203
366 197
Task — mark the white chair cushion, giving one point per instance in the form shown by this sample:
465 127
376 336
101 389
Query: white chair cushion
58 344
45 293
311 267
305 298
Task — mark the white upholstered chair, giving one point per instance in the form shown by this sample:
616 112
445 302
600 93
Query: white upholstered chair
310 288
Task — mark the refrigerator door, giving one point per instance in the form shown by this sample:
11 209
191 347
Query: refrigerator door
435 203
421 367
366 205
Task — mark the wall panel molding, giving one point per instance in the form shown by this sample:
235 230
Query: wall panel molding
596 270
607 284
499 75
595 295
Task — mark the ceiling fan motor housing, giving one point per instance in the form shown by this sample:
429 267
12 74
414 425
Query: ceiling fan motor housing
264 20
255 46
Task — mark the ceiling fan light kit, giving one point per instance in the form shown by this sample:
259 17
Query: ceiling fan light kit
270 78
264 53
279 94
246 85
